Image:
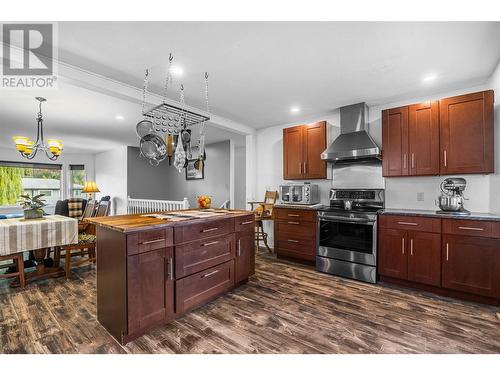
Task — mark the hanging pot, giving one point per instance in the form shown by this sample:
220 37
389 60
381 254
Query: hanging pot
153 147
143 128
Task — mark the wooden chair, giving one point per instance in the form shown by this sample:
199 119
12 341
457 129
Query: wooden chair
86 246
18 263
263 212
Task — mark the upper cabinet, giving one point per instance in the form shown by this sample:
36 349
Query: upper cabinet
449 136
466 124
302 148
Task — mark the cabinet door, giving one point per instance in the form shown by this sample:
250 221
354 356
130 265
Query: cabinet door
424 260
293 153
150 288
392 253
314 145
466 124
424 139
395 142
471 264
245 256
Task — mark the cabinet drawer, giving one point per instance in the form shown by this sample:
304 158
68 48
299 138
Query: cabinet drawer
197 289
244 223
308 254
142 242
296 228
416 223
297 245
209 228
290 214
470 228
200 255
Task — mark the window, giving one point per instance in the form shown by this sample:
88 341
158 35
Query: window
32 178
77 176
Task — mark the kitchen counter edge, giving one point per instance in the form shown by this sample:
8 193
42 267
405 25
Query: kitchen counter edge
429 213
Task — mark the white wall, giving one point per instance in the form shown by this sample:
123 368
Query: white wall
494 83
11 154
111 177
239 177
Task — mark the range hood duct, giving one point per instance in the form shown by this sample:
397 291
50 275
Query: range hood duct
354 144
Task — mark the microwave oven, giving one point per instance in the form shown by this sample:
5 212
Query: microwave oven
304 193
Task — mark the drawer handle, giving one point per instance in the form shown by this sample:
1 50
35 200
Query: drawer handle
152 241
294 241
294 222
447 252
246 222
239 247
471 228
210 274
406 223
209 243
293 215
209 230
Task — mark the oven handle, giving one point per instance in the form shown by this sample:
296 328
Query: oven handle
347 220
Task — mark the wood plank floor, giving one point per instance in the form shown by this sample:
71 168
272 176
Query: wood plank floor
285 308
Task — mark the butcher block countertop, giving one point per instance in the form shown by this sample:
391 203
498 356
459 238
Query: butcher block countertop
139 222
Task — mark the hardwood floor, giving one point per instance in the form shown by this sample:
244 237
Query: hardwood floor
285 308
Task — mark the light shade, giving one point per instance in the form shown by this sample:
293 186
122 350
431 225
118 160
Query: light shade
90 187
21 142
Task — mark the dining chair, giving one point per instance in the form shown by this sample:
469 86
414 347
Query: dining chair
17 264
86 246
263 212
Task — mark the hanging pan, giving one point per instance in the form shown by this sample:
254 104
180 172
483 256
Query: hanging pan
153 148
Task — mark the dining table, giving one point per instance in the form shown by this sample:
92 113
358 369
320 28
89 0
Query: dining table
38 235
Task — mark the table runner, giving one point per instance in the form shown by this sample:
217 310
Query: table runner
18 235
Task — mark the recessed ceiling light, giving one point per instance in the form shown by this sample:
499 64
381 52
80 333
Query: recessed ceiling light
119 117
429 78
295 110
176 70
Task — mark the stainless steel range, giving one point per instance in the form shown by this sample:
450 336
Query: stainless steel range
348 234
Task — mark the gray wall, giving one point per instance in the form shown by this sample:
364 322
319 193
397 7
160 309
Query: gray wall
165 182
240 177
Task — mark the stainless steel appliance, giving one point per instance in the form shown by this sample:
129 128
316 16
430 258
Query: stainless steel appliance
451 200
299 193
348 234
354 144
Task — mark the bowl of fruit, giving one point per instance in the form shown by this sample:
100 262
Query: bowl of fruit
204 201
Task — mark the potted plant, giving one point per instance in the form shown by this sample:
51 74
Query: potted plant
32 206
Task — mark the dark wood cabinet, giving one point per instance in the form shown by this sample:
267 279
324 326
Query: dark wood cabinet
295 234
245 256
449 136
149 276
466 124
471 264
150 288
393 261
423 139
424 258
395 142
463 261
302 148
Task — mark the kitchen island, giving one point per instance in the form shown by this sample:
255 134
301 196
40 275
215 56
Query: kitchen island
153 268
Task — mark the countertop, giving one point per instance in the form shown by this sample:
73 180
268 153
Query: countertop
138 222
314 207
430 213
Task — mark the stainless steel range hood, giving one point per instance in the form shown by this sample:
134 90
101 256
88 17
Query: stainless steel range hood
354 144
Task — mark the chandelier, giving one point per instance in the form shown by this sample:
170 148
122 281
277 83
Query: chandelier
28 149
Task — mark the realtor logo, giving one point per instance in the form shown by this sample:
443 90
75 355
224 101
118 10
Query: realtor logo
28 55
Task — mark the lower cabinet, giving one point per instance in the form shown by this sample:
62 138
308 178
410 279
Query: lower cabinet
245 256
295 234
410 255
472 264
392 254
424 258
150 288
463 261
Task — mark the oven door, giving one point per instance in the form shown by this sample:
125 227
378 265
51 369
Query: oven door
349 239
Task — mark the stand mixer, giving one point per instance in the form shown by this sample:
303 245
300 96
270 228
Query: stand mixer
451 200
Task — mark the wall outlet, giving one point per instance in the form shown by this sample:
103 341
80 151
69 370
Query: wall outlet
420 196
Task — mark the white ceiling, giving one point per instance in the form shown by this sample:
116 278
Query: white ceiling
257 71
